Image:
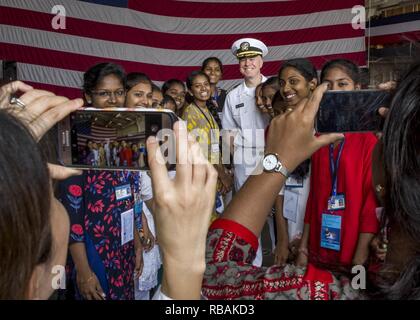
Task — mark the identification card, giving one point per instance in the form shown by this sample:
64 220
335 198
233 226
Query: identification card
294 182
215 148
127 226
290 206
239 105
337 202
123 192
330 231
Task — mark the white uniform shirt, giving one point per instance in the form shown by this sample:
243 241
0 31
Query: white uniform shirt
240 112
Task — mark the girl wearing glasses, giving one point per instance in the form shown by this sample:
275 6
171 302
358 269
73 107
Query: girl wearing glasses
102 205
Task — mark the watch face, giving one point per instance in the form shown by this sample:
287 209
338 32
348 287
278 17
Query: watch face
270 162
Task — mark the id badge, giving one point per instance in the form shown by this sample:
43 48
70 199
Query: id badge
337 202
290 206
331 231
123 192
294 182
127 226
214 148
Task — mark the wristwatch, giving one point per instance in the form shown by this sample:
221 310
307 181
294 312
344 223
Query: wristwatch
271 163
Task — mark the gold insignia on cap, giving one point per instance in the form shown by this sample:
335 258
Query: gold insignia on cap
244 46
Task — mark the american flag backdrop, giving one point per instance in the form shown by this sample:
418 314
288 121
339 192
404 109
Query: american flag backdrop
87 132
169 39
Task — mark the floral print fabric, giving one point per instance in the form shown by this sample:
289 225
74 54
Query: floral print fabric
94 210
230 274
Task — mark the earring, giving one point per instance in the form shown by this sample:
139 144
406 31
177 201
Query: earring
379 188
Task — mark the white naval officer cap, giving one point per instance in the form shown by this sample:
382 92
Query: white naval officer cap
248 47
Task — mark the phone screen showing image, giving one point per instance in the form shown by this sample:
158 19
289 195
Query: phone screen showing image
111 140
351 111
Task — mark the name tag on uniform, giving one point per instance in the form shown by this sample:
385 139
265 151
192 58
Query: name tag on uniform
127 226
337 202
290 205
294 182
330 231
239 105
123 192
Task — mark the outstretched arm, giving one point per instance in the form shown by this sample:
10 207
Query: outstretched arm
291 136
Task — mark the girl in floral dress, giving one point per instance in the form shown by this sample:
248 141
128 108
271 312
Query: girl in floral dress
103 207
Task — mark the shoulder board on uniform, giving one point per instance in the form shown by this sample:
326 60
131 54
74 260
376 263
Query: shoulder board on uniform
233 88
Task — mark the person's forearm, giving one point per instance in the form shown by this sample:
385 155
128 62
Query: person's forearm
362 250
137 241
78 254
144 223
150 205
281 222
219 168
251 205
305 237
182 282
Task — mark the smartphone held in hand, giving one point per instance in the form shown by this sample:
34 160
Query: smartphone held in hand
351 111
113 139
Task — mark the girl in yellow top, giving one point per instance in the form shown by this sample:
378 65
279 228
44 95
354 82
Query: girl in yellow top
203 126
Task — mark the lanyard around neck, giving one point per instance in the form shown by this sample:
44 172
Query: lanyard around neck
334 166
212 126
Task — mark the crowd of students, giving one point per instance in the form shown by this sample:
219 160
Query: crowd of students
338 200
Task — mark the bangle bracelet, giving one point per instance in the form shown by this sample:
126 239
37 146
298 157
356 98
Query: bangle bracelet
90 278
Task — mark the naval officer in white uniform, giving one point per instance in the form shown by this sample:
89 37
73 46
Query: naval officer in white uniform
241 117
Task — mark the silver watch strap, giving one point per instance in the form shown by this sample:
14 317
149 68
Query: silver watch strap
281 169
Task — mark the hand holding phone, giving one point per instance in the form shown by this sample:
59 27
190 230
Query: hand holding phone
351 111
111 139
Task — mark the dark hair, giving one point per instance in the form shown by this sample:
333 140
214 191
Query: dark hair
215 59
95 75
277 96
401 153
170 83
301 170
167 98
134 78
304 66
25 227
194 75
349 67
155 87
272 82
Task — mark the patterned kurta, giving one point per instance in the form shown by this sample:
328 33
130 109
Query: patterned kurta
230 274
203 125
94 211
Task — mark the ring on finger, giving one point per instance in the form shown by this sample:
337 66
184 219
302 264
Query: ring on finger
17 102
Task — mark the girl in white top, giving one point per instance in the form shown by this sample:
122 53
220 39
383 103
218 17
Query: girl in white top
297 79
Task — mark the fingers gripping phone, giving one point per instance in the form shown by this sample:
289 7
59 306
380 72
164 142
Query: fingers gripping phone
351 111
114 139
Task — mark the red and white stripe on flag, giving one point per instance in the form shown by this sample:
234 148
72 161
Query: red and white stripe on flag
169 39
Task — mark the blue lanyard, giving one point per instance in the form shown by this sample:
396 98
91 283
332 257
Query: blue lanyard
216 94
334 166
